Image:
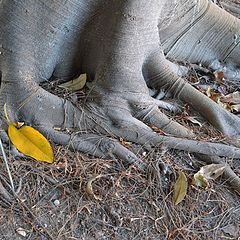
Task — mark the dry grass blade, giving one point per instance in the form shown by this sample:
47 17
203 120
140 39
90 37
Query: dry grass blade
7 166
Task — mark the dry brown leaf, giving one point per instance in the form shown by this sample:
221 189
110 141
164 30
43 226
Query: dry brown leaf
125 143
209 92
235 108
193 120
212 171
226 106
180 188
89 188
212 94
232 98
200 181
219 76
157 130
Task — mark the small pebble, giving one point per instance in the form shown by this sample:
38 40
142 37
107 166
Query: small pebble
144 154
56 202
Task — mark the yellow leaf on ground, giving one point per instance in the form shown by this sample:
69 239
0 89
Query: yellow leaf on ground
31 143
180 188
75 84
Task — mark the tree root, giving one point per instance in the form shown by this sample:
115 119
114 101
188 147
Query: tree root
213 149
119 49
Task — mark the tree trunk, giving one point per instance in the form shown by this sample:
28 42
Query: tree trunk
122 46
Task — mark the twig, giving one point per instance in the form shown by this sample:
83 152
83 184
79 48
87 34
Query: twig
7 166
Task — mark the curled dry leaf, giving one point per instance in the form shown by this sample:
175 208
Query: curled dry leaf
208 172
232 98
235 108
75 84
21 232
212 94
226 106
30 142
200 181
180 188
193 120
219 77
89 188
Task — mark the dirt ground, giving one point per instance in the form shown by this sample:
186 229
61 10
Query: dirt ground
53 201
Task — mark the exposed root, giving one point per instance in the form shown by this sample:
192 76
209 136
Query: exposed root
123 57
96 145
214 149
159 75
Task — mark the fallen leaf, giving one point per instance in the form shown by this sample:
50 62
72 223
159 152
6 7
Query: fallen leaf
30 142
75 84
192 120
200 181
19 124
209 92
235 108
219 76
208 172
226 106
232 98
212 171
180 188
21 232
89 188
157 130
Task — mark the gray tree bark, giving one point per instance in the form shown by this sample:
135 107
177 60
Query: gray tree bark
123 46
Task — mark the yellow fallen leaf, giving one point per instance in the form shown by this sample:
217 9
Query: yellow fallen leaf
30 142
180 188
75 84
89 188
